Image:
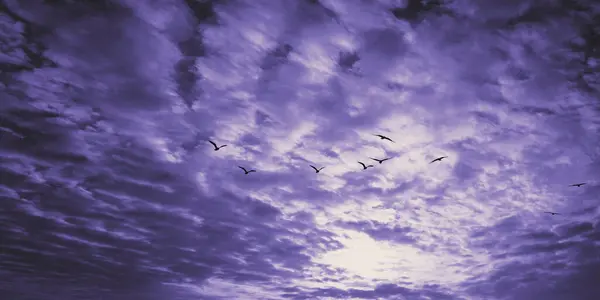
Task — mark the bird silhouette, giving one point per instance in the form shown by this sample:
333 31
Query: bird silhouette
383 137
315 168
552 213
438 159
380 160
578 184
215 145
365 166
246 171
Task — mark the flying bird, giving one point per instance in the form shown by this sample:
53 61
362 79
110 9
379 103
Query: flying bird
383 137
438 159
215 145
552 213
317 170
578 184
365 166
380 160
246 171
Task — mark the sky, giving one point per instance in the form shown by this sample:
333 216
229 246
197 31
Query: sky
110 189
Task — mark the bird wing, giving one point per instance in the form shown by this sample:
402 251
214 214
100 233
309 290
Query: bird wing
213 143
439 158
251 171
223 146
321 168
362 164
313 167
375 159
242 168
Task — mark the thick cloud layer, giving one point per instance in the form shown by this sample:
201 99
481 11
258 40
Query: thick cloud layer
110 190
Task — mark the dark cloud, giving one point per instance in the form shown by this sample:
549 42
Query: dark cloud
383 290
555 264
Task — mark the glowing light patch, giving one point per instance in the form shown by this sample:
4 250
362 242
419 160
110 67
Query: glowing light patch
381 261
364 257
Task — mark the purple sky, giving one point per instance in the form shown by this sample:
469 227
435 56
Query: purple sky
110 190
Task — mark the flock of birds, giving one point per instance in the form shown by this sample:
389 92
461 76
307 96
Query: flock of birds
365 166
317 170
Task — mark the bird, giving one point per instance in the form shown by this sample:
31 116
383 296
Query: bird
383 137
317 170
380 160
365 166
215 145
246 171
552 213
578 184
438 159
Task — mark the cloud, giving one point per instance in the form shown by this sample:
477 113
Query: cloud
383 290
111 190
380 231
555 264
